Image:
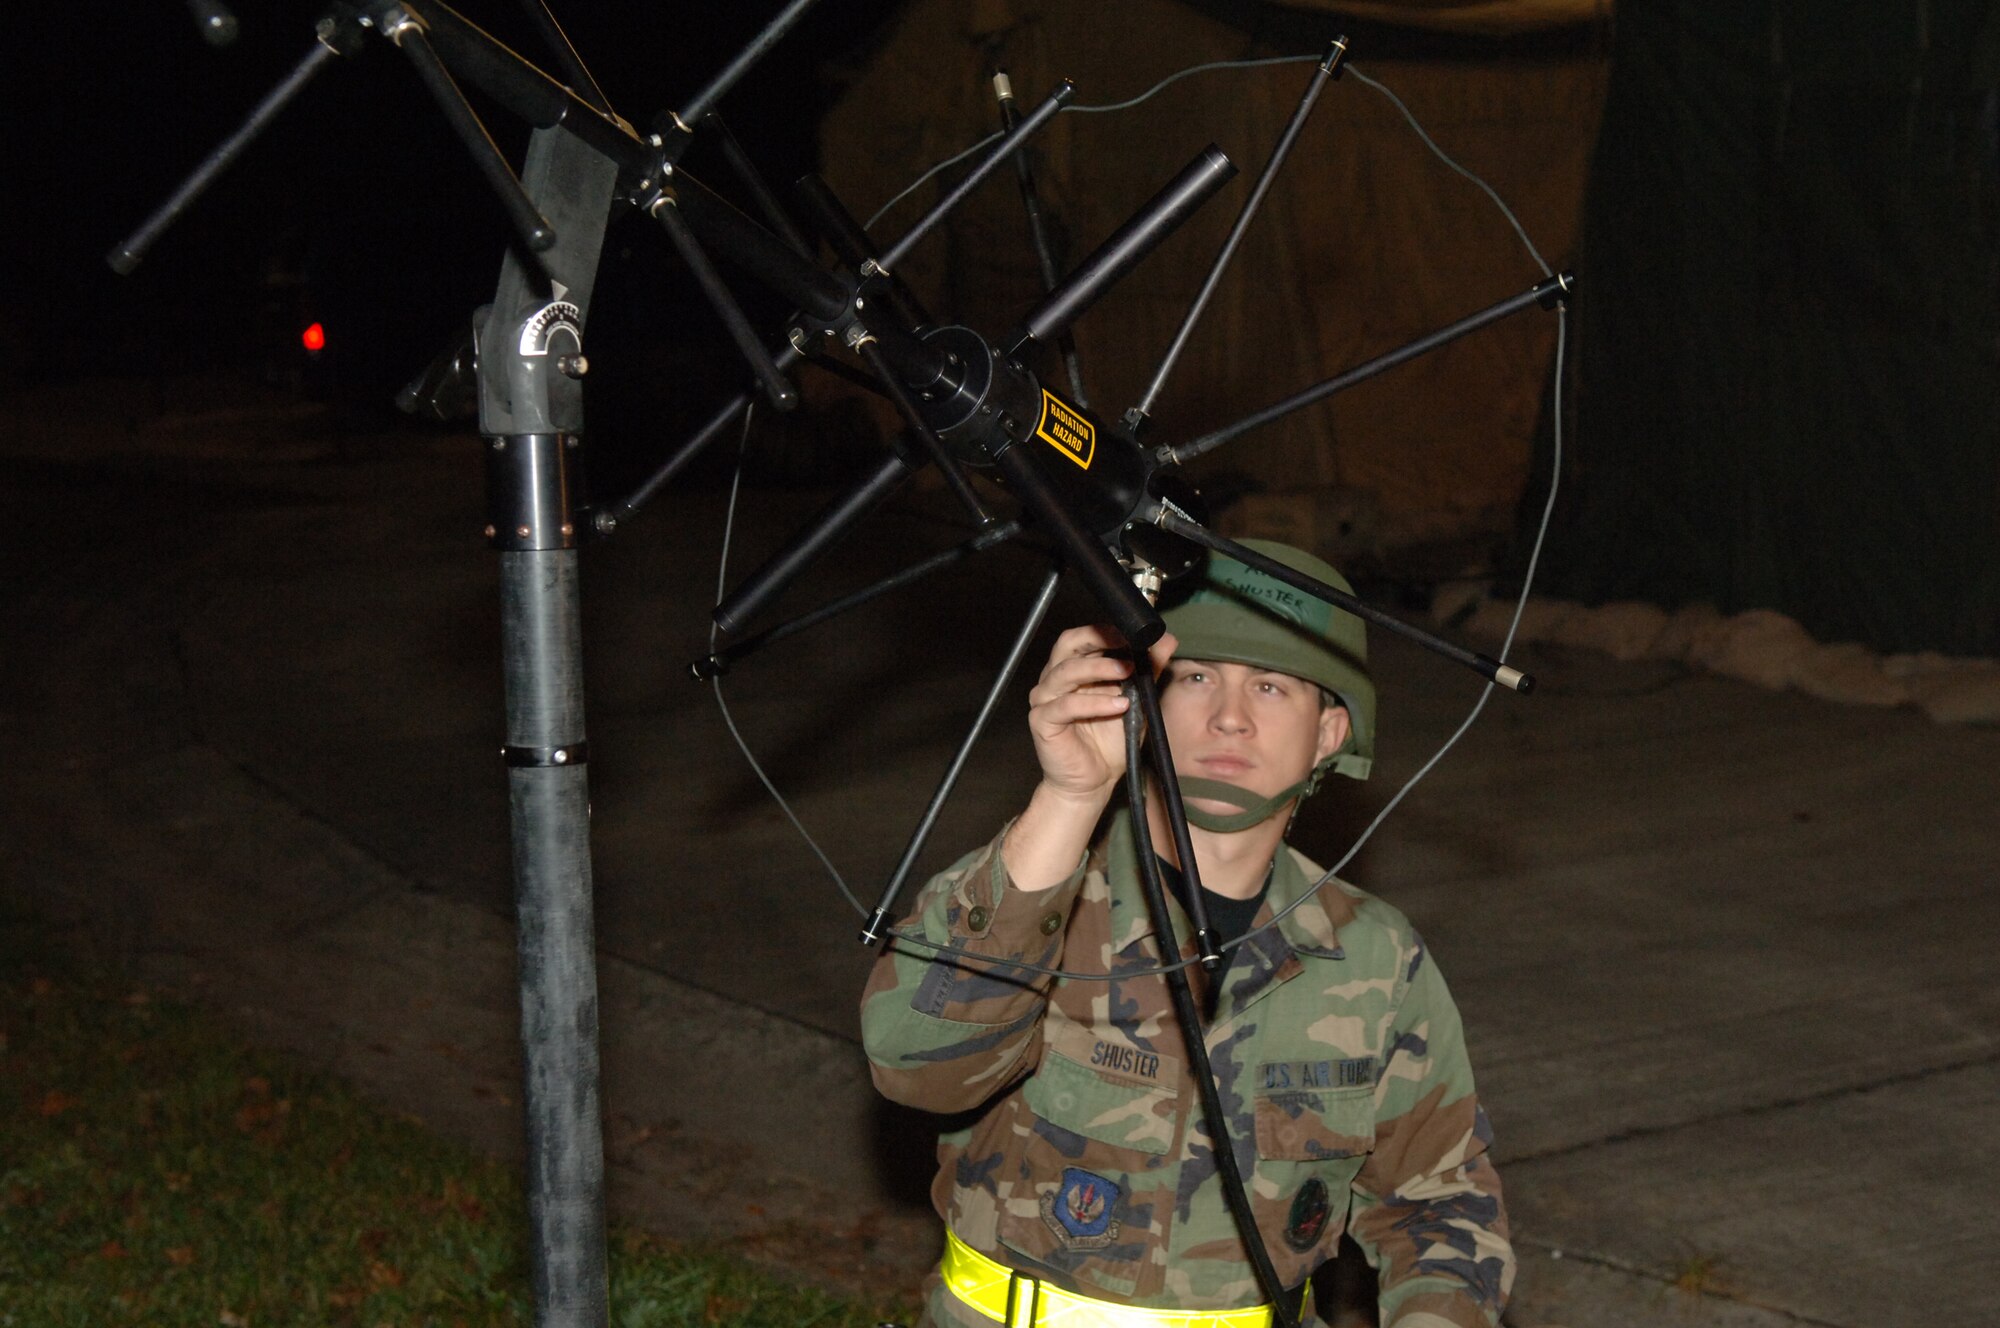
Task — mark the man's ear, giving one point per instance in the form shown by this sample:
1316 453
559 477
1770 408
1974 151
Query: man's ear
1334 726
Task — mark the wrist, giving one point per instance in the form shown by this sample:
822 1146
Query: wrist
1047 841
1089 802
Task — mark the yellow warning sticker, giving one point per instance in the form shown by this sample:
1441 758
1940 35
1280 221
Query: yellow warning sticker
1068 431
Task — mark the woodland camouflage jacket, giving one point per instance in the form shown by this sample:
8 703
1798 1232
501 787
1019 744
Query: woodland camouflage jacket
1336 1047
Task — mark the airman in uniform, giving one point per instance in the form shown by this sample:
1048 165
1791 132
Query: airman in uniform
1086 1191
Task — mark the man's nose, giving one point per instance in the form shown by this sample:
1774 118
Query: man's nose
1230 715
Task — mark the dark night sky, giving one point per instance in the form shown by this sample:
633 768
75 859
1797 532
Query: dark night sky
359 186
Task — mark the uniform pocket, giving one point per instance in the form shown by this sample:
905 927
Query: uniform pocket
1310 1145
1096 1185
1082 1101
1306 1125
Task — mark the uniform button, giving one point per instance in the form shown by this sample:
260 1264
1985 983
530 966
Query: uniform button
979 917
1051 924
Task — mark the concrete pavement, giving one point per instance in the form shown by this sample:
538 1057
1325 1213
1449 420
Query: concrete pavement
1724 954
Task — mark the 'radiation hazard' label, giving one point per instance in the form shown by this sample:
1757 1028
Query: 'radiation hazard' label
1068 431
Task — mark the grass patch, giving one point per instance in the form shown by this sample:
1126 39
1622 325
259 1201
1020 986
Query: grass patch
153 1171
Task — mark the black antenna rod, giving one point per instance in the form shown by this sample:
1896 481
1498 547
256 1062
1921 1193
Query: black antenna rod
128 253
1030 125
775 216
703 102
777 389
1486 666
480 59
708 666
852 245
1328 67
1284 1309
529 224
1548 294
1038 231
580 80
877 925
1122 250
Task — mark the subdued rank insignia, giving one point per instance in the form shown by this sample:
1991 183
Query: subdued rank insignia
1311 1206
1079 1212
1068 431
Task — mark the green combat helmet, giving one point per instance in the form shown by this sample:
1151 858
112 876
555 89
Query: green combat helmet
1238 615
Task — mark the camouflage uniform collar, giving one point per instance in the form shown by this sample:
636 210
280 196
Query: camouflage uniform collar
1308 930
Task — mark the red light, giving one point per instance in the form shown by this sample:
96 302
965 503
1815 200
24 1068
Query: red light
314 338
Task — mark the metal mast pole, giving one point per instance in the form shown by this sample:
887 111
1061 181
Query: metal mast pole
531 411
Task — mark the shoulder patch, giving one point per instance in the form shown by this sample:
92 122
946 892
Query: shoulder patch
1311 1206
1081 1209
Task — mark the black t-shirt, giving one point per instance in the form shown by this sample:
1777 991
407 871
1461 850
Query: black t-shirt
1229 918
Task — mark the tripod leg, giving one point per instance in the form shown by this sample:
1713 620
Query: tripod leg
878 921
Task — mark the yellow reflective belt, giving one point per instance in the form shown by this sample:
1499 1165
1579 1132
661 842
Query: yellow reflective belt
992 1288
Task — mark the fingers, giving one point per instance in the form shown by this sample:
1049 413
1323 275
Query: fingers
1094 639
1074 709
1080 658
1090 659
1098 638
1079 672
1078 708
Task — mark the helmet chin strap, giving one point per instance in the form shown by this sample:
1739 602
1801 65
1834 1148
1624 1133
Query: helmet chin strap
1254 809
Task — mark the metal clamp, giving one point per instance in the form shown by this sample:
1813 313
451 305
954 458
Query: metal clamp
576 753
528 483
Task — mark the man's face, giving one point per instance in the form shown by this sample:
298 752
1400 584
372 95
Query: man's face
1254 728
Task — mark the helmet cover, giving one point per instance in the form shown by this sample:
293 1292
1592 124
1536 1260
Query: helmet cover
1239 615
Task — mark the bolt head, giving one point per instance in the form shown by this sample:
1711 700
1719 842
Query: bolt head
524 531
490 532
